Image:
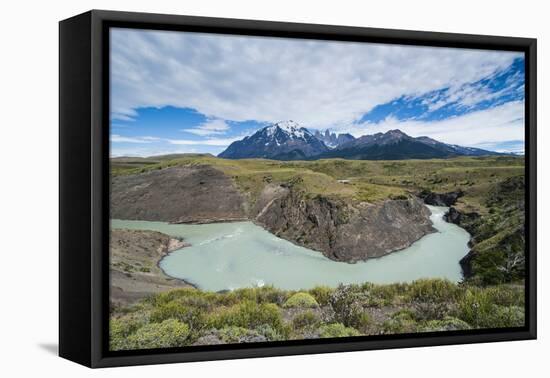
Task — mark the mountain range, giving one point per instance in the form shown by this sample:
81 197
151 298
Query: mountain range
289 141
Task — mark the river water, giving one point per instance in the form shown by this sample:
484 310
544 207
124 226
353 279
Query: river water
242 254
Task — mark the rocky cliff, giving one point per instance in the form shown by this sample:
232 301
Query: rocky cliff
344 230
441 199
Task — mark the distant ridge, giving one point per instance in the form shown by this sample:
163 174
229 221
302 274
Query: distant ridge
396 145
289 141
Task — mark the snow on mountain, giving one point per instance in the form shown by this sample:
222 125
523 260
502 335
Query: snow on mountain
285 140
331 140
396 145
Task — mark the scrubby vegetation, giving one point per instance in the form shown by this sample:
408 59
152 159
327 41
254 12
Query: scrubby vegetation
192 317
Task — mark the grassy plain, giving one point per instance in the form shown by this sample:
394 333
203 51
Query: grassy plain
361 180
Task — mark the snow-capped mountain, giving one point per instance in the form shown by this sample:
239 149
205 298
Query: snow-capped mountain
396 145
289 141
331 140
285 140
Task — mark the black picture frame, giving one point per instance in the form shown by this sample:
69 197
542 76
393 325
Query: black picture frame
84 186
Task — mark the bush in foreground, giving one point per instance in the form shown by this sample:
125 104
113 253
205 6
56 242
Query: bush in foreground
303 300
337 330
190 316
170 333
248 315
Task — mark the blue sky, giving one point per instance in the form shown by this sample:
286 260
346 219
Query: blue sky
188 92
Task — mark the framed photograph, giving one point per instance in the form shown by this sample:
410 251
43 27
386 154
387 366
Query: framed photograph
235 188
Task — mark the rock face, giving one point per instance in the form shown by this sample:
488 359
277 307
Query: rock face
186 194
345 231
441 199
332 140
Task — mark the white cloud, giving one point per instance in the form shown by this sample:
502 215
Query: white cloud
316 83
149 151
211 126
480 129
124 139
471 94
222 142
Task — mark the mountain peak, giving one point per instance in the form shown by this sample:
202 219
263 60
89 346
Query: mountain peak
285 140
395 132
333 140
291 128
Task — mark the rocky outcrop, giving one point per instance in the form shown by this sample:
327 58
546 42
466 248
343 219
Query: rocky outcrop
441 199
183 194
134 270
467 221
341 230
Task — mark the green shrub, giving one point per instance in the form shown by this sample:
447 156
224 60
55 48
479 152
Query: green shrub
249 315
170 333
506 295
181 295
478 308
321 294
475 308
431 310
266 294
303 300
234 334
400 322
363 322
434 290
446 324
337 330
193 316
304 320
271 334
119 330
507 316
388 293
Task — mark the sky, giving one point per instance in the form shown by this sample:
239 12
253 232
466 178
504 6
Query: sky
181 92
